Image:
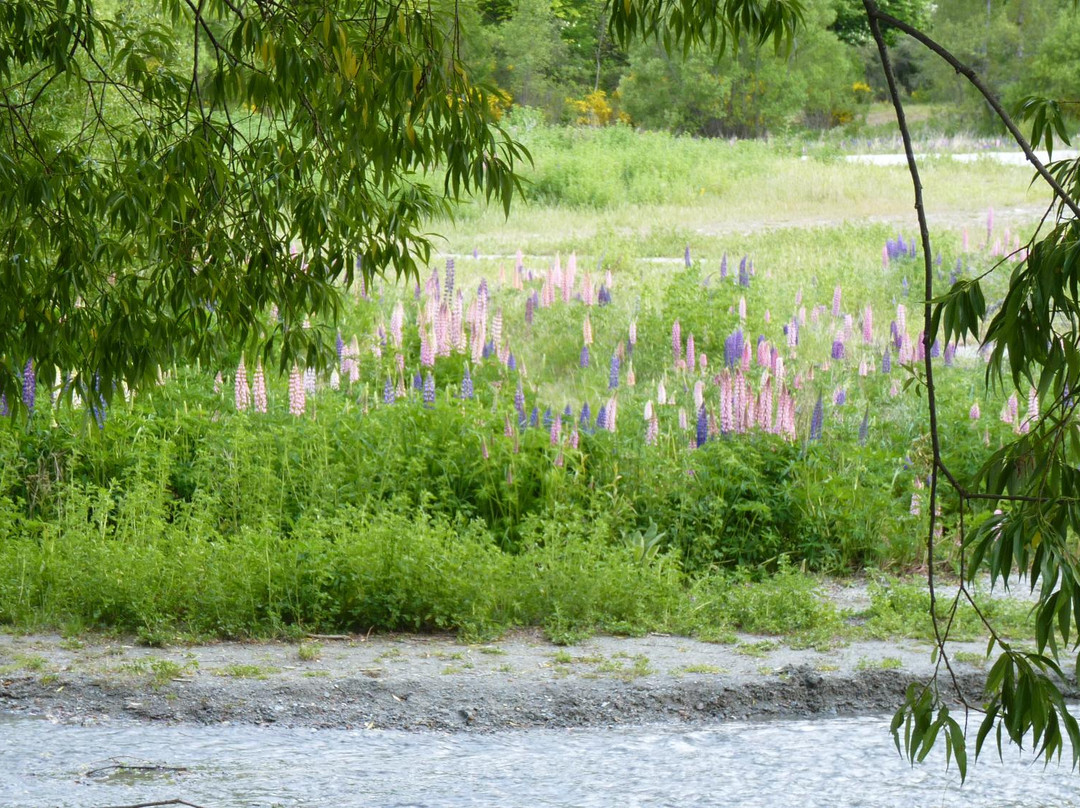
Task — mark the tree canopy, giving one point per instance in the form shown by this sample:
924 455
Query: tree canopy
175 173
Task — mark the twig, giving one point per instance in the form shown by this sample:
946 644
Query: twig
128 767
152 805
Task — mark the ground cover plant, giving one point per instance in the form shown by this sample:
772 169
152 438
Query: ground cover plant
624 442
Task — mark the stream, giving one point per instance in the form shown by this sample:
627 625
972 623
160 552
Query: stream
821 762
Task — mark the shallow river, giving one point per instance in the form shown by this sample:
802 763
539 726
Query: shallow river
837 762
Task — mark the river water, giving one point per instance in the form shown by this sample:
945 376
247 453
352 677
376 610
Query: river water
834 762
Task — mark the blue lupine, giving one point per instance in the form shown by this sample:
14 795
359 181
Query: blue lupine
613 374
429 391
519 400
935 349
489 349
840 397
864 427
417 381
534 418
583 360
744 274
950 354
568 413
586 416
449 278
686 256
723 267
733 348
388 396
467 385
340 346
601 417
886 362
603 297
547 418
511 363
817 419
837 349
702 426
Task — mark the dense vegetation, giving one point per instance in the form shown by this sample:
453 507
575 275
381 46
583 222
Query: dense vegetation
444 475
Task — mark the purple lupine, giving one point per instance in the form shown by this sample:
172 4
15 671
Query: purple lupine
886 361
613 373
417 381
935 349
744 276
817 419
583 360
339 345
547 418
530 306
388 394
864 427
449 277
733 347
974 413
836 301
429 391
29 390
601 417
519 401
511 363
837 349
467 385
723 267
534 418
702 426
686 256
586 417
840 397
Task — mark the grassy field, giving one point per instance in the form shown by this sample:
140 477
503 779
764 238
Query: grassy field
541 442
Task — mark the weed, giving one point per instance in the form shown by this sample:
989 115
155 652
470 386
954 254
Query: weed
309 651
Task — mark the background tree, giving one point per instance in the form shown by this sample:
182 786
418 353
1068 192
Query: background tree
172 173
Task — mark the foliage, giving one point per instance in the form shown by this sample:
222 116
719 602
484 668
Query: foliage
164 164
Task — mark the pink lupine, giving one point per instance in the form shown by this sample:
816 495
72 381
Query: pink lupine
901 318
310 381
335 379
894 388
836 301
586 330
633 332
431 288
397 320
259 389
765 406
612 412
768 316
1033 405
682 419
742 309
868 325
699 394
427 350
568 278
802 316
661 393
241 390
916 505
747 356
297 394
864 368
676 341
703 362
975 413
574 439
555 274
631 379
691 361
885 257
556 430
219 382
727 414
652 431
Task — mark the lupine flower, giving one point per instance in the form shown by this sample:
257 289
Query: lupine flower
836 301
723 267
676 340
241 391
613 373
534 417
5 411
682 419
586 330
601 417
885 257
703 362
864 427
429 391
661 393
218 384
389 396
702 426
449 277
840 397
297 394
837 349
886 362
511 362
467 385
975 413
309 380
633 332
733 347
29 391
699 393
585 421
556 430
686 256
631 380
950 354
691 356
652 431
583 360
259 389
339 346
742 309
529 307
916 505
817 419
744 275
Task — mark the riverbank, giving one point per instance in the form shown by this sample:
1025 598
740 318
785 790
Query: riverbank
415 682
